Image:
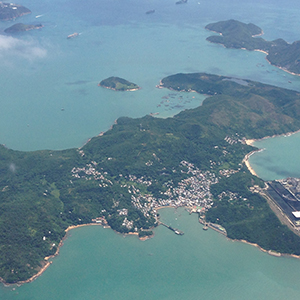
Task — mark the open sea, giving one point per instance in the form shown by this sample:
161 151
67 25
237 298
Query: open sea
50 100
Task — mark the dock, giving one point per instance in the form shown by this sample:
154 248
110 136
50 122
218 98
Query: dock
175 230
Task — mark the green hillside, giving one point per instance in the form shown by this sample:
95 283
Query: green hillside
238 35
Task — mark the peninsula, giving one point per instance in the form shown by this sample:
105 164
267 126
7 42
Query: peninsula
11 11
20 27
238 35
118 84
122 177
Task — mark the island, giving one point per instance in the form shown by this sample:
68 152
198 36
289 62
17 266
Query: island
238 35
118 84
11 11
121 178
20 27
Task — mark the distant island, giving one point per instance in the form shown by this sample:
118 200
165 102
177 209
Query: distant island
20 27
238 35
118 84
121 178
10 11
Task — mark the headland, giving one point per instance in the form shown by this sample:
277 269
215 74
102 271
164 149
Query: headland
11 11
238 35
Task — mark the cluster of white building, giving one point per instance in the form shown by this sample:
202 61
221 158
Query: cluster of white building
234 139
89 172
191 191
230 196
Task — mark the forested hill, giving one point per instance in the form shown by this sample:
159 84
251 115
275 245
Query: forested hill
252 109
141 164
238 35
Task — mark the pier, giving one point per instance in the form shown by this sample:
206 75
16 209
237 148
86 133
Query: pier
176 231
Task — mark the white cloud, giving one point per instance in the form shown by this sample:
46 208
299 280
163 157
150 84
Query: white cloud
13 47
12 167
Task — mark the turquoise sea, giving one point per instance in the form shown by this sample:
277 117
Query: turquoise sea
50 100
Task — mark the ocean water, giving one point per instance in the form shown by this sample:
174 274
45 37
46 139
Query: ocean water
49 93
50 100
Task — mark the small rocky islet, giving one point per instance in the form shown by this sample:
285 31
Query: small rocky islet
118 84
20 27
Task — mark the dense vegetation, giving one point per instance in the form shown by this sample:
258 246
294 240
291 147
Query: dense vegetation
119 175
118 84
247 216
238 35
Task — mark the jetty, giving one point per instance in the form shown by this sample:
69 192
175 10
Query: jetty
176 231
205 227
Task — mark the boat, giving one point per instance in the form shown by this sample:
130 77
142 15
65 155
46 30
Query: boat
72 35
150 11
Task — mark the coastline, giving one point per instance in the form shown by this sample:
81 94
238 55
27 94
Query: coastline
270 252
262 51
250 142
46 263
247 156
127 90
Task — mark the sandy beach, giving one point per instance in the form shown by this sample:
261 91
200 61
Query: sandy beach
258 50
250 168
246 158
250 142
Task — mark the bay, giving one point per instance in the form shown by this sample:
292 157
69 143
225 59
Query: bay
279 159
97 263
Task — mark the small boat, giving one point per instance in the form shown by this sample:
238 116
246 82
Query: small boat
150 11
73 35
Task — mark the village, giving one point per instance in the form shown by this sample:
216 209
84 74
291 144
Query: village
192 192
